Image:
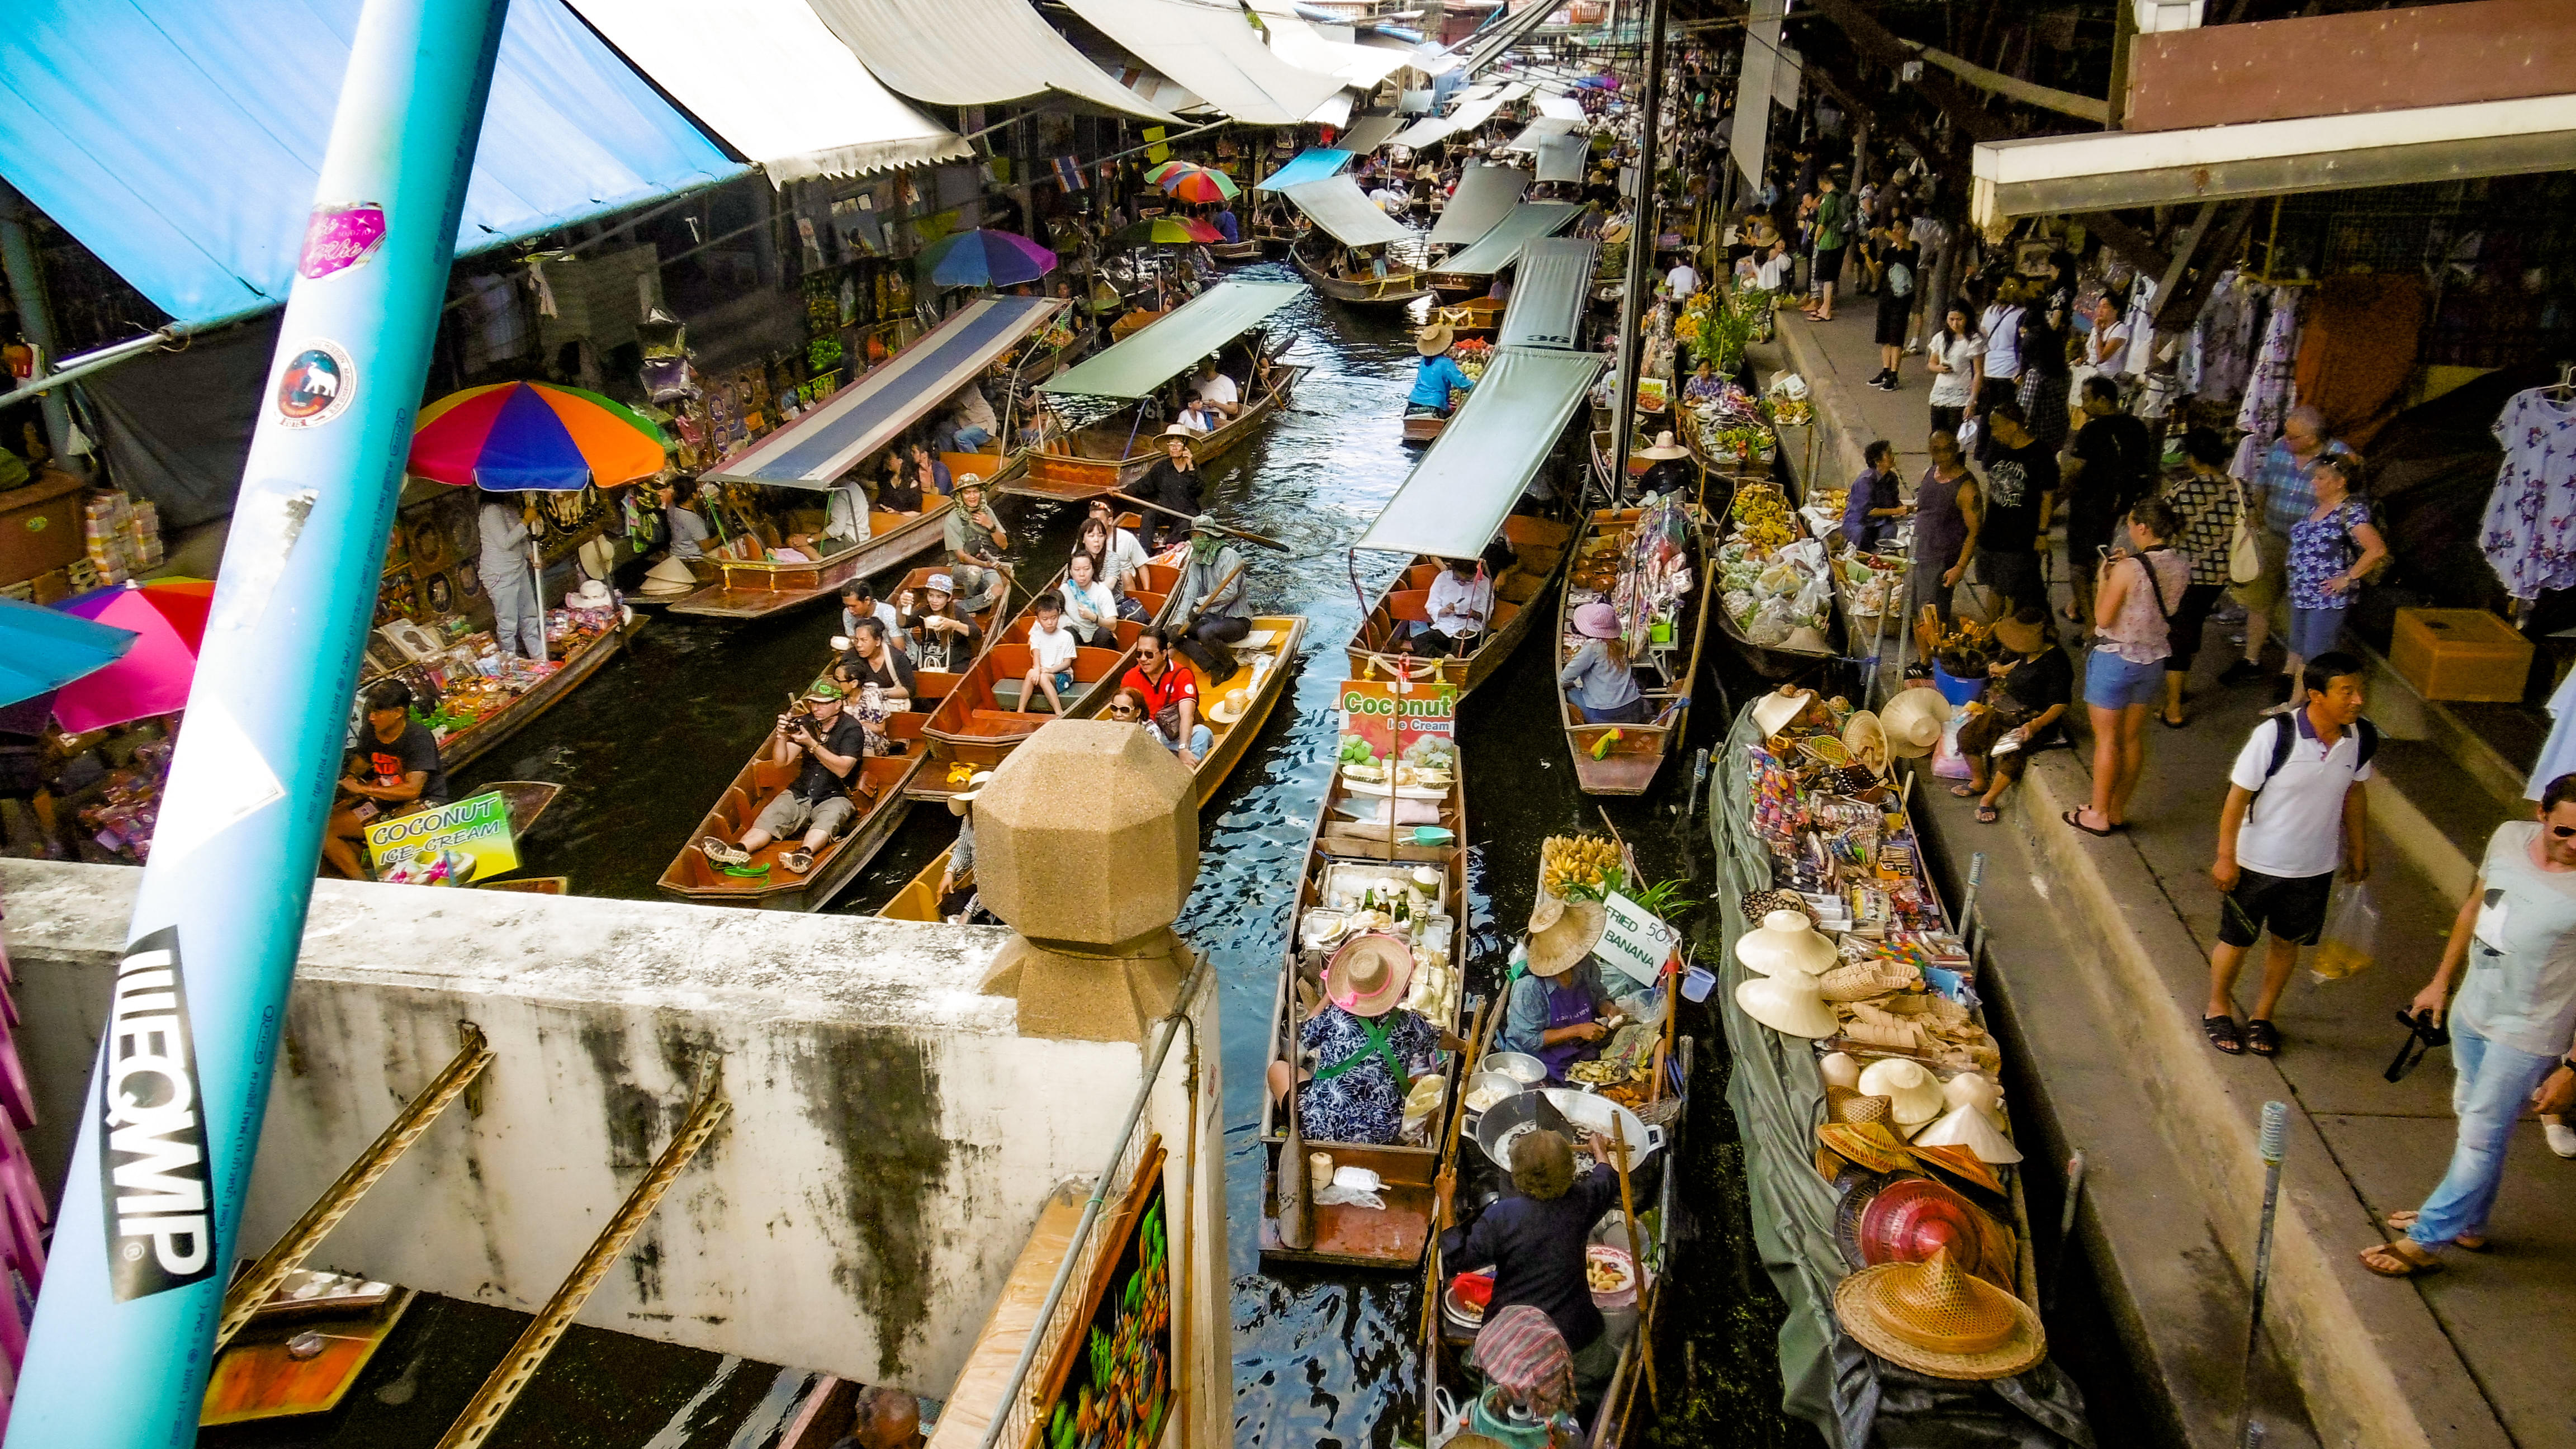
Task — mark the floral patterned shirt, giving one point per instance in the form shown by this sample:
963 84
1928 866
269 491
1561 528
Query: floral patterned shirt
1362 1104
2530 530
2319 550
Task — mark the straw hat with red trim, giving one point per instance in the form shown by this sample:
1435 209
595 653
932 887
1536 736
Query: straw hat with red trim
1937 1318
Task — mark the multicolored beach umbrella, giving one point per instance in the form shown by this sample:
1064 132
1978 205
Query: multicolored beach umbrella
1167 231
1200 185
538 436
168 619
986 259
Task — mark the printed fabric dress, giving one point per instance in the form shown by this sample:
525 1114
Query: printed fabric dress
2529 534
2267 391
2321 548
1363 1104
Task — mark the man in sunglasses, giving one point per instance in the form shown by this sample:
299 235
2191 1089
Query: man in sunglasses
2293 812
1162 683
2513 1025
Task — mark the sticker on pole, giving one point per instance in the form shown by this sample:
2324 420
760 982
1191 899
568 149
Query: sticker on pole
337 238
1637 943
448 846
317 386
155 1186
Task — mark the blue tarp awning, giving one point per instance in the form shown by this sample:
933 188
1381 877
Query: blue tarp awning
1312 164
181 141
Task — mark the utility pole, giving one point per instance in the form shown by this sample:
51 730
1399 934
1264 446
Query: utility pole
125 1327
26 273
1641 252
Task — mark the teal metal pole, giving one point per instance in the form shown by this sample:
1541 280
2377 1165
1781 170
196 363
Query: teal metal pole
152 1208
26 274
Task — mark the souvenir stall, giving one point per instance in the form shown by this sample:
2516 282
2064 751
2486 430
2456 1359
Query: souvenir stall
1879 1155
98 744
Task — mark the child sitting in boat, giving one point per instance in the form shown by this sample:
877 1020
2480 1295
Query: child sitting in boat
1051 651
1090 610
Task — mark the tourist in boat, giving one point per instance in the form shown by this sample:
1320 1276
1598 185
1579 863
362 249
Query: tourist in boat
1211 598
1358 1054
396 771
970 419
817 801
1051 652
1212 385
1116 558
1090 610
929 475
896 490
975 539
859 601
1459 603
1201 417
1670 469
943 637
1535 1239
1439 377
518 612
1173 482
688 531
1598 680
845 512
1168 695
872 659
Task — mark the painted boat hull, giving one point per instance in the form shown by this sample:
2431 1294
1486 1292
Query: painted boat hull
1070 477
1541 544
1624 759
467 746
1396 289
1418 429
757 589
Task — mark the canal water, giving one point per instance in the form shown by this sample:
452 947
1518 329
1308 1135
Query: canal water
644 747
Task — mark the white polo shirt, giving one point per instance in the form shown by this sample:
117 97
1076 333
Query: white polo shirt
2294 828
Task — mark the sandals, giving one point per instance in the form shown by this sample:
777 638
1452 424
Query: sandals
797 861
2404 1258
2467 1242
2173 724
2223 1034
2075 818
722 853
1988 815
1966 792
2262 1038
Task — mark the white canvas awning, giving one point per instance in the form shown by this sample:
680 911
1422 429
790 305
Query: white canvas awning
774 83
1367 133
1474 113
1337 205
953 53
1334 112
2311 153
1212 51
1302 45
1539 130
1423 133
1560 108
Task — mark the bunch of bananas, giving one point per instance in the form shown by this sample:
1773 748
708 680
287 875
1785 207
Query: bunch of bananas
1567 862
1762 519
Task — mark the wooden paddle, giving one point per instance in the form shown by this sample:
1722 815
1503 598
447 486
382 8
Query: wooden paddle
1296 1203
1221 528
1636 1257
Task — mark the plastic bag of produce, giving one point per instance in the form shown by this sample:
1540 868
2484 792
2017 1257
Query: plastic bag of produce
2351 937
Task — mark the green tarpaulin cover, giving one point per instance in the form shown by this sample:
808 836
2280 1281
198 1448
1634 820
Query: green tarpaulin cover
1337 206
1502 246
1460 493
1549 290
1485 195
1167 348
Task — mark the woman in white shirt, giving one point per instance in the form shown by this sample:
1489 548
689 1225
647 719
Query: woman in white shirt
1956 359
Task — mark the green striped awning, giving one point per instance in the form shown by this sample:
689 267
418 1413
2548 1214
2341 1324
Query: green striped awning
1171 345
1502 246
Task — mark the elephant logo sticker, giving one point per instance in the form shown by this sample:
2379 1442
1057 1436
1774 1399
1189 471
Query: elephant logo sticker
317 386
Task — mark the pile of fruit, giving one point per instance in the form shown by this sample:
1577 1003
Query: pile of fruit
1571 867
1762 523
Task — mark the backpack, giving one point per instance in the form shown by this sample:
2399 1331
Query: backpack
2286 731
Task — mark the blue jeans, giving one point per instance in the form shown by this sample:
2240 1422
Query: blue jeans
2494 1085
1201 741
972 439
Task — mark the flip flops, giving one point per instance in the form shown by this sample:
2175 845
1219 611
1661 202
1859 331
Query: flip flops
2075 818
1988 815
2404 1258
2466 1242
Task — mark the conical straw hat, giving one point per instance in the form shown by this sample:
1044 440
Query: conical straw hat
1914 1094
1936 1318
1563 945
1873 1145
1773 711
1913 721
1960 1163
1789 1003
1786 941
1971 1128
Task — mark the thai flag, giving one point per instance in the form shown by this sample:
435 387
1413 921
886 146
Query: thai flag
1068 174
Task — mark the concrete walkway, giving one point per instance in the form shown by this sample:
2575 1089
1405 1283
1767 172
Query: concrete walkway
2100 964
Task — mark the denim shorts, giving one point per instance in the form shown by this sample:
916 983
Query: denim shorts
2314 631
2111 682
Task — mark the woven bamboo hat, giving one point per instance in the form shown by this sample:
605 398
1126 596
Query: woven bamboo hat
1871 1145
1565 942
1865 736
1936 1318
1433 340
1959 1162
1913 1093
1842 1104
1912 722
1786 941
1369 974
1773 712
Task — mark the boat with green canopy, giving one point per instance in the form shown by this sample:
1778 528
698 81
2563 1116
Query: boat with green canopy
1551 290
1458 501
1376 260
1485 195
1142 377
1473 269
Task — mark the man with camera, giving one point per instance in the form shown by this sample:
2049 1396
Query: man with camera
831 743
2512 1027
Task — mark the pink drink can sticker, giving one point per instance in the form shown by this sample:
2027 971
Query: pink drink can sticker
340 237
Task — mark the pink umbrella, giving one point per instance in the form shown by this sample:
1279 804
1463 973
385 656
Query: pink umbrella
168 618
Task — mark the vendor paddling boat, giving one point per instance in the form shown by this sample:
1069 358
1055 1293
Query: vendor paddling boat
1458 500
1112 452
1354 285
981 717
1648 569
1376 260
1766 551
742 576
1362 856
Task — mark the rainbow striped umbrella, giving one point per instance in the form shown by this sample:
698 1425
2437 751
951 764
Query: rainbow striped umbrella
533 435
1200 185
1167 170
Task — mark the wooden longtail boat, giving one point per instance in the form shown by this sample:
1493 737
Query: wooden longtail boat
1113 457
1423 427
1624 759
1246 250
877 787
1538 545
982 719
1277 237
1475 317
1393 1239
746 586
919 898
482 737
1398 288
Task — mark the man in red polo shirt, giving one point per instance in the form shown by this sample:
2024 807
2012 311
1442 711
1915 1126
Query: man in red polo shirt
1171 696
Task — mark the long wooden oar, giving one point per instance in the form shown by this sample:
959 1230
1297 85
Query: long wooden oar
1478 1036
1221 528
1636 1257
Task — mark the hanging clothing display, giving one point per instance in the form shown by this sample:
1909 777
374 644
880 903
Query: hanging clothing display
2529 534
2267 391
2141 323
2357 343
2220 355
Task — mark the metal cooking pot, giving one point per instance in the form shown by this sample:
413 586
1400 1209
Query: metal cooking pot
1584 1110
1527 1070
1512 1087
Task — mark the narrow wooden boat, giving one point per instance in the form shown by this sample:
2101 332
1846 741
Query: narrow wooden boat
930 685
1246 250
1260 675
1477 316
1538 546
1277 237
1771 661
1114 457
981 718
482 737
1132 322
1423 427
919 898
1395 1238
748 586
1398 288
1624 759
